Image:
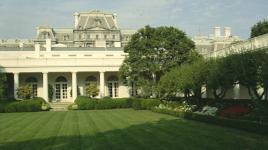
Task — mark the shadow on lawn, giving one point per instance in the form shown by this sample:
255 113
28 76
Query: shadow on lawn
163 134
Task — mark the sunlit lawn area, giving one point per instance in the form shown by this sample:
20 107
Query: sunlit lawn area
117 129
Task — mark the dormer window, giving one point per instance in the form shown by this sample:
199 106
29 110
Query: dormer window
66 37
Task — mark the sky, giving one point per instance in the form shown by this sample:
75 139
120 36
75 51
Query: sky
19 18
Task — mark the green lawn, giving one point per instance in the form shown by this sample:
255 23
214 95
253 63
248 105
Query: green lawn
117 129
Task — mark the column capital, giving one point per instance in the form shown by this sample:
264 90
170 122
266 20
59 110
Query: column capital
45 72
16 72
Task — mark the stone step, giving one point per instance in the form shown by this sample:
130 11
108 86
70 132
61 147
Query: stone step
63 106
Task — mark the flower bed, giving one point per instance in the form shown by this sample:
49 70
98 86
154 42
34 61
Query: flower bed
234 111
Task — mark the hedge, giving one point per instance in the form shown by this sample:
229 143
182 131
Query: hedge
148 104
232 123
85 103
31 105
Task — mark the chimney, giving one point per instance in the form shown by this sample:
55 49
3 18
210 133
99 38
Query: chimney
37 49
48 45
115 19
227 32
76 18
217 31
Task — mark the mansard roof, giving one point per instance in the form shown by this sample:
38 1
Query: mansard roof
93 19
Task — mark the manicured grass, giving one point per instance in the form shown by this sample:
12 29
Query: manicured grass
117 129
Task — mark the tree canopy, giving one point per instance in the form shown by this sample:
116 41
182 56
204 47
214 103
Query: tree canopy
154 51
259 28
3 87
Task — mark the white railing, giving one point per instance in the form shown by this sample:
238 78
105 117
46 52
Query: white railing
255 43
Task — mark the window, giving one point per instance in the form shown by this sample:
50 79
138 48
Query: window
97 36
88 36
66 37
113 36
113 86
105 36
90 80
80 36
32 81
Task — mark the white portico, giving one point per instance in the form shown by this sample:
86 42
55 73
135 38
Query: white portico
66 60
68 72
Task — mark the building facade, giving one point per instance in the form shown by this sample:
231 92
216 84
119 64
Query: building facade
67 60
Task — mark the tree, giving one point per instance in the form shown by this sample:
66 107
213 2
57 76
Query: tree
220 77
92 90
3 86
187 79
151 53
259 28
50 92
250 69
25 91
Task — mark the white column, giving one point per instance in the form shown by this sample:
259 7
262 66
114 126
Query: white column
16 84
236 91
45 86
102 89
74 85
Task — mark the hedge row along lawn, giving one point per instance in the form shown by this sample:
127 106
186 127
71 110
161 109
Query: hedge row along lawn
117 129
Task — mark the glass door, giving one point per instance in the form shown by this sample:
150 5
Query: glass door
113 89
58 91
61 91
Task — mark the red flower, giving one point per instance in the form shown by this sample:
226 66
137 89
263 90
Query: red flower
234 111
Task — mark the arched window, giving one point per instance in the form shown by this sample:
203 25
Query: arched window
113 85
61 79
112 78
90 80
33 82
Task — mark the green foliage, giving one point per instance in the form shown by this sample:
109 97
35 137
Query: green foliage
3 85
259 28
250 69
85 103
187 79
92 90
24 91
220 76
147 104
32 105
50 92
151 53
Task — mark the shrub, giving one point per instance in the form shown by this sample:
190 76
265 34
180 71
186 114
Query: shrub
145 103
24 92
32 105
92 90
85 103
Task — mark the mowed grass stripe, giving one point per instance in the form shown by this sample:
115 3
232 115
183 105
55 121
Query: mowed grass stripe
89 133
54 139
129 141
12 119
163 137
100 132
47 131
28 132
18 127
